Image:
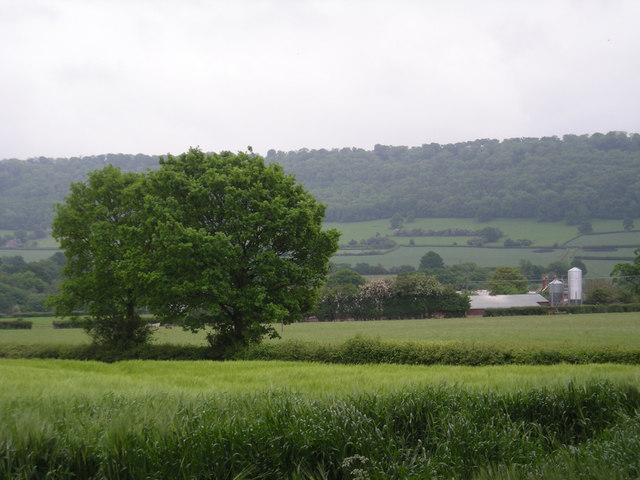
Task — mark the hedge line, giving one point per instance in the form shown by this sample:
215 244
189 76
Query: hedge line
358 350
69 323
574 309
15 324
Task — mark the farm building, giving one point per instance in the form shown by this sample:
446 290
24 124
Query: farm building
480 302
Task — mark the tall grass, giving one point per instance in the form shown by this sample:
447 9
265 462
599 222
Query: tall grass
430 432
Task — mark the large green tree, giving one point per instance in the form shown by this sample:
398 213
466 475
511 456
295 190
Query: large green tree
237 245
98 229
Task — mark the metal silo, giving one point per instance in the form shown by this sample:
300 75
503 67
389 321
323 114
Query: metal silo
556 292
575 286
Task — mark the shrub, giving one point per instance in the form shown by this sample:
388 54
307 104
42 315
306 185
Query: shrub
69 323
15 324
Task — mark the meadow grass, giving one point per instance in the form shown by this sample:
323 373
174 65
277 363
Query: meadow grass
48 379
593 329
278 420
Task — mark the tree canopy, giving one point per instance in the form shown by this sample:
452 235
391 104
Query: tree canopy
237 245
431 260
507 281
548 178
98 228
628 274
207 240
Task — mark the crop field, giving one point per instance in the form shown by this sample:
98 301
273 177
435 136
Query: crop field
296 420
274 420
595 329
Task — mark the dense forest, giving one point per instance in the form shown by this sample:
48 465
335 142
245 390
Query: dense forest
572 178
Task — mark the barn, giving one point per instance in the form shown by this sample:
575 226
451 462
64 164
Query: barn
480 302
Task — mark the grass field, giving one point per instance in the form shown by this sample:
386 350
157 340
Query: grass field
280 420
68 378
484 257
540 233
613 329
293 420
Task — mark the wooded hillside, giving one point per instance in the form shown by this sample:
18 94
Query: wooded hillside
572 178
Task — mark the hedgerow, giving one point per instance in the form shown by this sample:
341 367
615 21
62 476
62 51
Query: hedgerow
573 309
15 324
358 350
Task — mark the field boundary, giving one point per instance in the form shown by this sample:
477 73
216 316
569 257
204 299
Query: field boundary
357 350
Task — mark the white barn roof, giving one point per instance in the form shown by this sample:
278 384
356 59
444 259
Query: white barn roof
507 301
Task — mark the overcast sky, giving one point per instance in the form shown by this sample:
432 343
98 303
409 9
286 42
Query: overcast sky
87 77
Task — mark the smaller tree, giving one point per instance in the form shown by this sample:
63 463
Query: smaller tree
98 229
396 220
627 275
585 228
345 277
576 262
431 260
627 224
507 281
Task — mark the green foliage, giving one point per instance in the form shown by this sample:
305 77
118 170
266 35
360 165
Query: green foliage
343 277
627 224
628 274
24 286
585 228
577 263
98 227
434 432
573 309
507 281
69 323
237 245
431 260
409 295
477 179
17 324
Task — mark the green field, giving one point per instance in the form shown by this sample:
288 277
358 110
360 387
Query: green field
453 250
295 420
619 329
540 233
608 239
282 420
68 378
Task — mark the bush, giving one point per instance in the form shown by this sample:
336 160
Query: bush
15 324
69 323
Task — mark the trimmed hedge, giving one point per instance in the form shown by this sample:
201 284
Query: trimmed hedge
69 323
573 309
358 350
15 324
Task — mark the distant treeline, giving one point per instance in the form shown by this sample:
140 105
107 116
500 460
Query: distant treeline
572 178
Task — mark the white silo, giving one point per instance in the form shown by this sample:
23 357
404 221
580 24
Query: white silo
575 286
